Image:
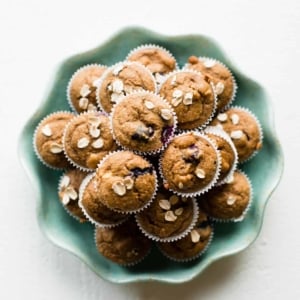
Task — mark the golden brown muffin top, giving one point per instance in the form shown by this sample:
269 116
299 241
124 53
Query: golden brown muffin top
82 87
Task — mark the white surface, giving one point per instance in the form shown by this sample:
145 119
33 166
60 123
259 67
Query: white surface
262 37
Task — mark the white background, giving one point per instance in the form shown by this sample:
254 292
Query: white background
261 37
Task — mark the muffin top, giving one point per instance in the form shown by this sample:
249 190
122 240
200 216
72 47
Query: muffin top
82 87
48 139
87 139
123 244
168 217
126 181
157 59
143 122
98 213
230 200
192 245
219 75
244 130
122 79
68 192
191 97
226 149
190 164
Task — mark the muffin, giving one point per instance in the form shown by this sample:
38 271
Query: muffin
68 192
157 59
192 98
243 128
47 140
122 79
190 164
126 182
193 245
124 244
87 139
217 73
169 217
230 201
93 208
82 87
229 156
143 122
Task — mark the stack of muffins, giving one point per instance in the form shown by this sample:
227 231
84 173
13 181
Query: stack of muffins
150 153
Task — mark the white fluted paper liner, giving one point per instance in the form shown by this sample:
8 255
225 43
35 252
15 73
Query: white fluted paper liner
82 188
153 46
209 119
35 136
119 65
64 206
155 151
243 215
235 86
174 237
222 134
68 91
189 259
132 264
71 161
155 187
213 181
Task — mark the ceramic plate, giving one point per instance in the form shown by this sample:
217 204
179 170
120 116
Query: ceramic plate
230 238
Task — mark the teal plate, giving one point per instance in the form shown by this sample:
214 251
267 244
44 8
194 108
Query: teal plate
264 169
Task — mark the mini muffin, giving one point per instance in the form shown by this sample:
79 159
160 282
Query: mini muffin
47 140
193 245
244 130
82 87
230 201
87 139
157 59
143 122
126 182
219 75
225 146
124 244
169 217
68 192
190 164
191 96
122 79
93 208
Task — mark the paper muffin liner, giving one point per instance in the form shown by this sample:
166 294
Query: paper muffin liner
82 188
64 206
153 46
152 152
188 259
209 119
116 66
213 181
85 67
222 134
235 86
123 265
35 135
71 161
243 215
154 192
174 237
261 135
